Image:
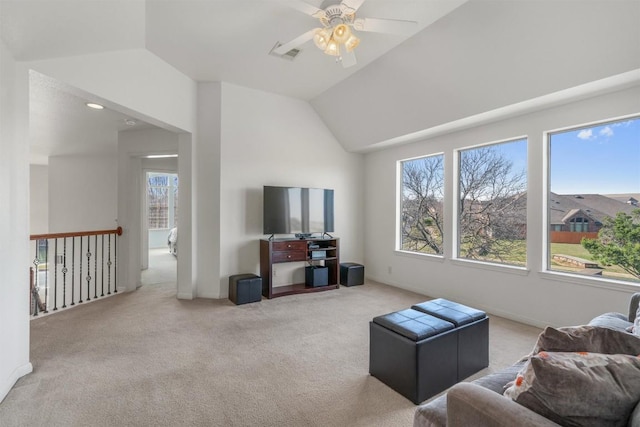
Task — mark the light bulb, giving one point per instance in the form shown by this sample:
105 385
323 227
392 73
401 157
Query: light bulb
321 38
352 43
341 33
333 48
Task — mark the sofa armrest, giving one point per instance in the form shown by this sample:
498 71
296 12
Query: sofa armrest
469 404
633 306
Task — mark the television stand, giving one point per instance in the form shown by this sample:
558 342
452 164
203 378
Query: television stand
323 252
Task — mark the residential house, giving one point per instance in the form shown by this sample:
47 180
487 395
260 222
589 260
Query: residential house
476 72
583 213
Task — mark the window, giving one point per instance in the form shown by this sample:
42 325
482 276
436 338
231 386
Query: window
594 178
492 210
162 200
579 225
421 205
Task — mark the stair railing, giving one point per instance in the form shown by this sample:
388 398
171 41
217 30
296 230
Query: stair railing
72 268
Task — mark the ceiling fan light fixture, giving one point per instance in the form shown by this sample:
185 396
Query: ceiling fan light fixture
341 33
321 38
351 43
333 47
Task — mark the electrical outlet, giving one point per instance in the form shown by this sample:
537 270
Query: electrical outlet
275 272
389 269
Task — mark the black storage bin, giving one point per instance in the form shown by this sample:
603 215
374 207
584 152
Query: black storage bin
316 276
473 332
351 274
413 353
245 288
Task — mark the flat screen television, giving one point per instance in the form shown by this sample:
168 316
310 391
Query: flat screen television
297 210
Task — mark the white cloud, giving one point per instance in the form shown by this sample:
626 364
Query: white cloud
606 131
625 124
586 134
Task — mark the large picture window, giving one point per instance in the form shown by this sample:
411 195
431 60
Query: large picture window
593 205
421 205
492 209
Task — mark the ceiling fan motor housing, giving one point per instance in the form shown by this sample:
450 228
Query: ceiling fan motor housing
336 15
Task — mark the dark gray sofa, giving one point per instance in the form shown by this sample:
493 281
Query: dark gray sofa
480 403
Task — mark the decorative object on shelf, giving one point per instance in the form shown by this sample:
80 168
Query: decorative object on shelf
336 36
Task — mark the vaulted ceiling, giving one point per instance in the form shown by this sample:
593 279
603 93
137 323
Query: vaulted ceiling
464 58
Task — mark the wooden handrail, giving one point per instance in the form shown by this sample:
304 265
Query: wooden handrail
117 231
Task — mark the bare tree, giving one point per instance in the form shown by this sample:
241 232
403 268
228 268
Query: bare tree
422 197
492 210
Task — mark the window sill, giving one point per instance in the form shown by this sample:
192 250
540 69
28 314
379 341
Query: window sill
417 255
588 281
503 268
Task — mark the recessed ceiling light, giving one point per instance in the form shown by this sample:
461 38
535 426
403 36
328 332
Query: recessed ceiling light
160 156
130 122
94 106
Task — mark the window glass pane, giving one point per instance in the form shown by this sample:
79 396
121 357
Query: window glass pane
594 180
421 205
162 200
492 214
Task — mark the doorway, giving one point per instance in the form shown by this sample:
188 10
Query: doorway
161 196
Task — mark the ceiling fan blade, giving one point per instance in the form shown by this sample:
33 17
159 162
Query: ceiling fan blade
351 5
301 39
348 59
391 26
306 8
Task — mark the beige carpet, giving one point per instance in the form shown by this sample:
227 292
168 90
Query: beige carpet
162 267
148 359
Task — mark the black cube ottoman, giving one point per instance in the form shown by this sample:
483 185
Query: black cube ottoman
245 288
351 274
413 353
473 333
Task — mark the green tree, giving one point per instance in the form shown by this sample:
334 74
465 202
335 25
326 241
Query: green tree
618 242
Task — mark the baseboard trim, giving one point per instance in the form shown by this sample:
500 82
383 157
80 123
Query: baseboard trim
184 295
13 378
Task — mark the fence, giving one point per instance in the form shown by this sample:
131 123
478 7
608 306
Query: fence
572 237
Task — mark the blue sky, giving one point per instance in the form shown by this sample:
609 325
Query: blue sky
516 151
601 159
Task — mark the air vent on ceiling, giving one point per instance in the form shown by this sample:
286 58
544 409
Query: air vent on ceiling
290 55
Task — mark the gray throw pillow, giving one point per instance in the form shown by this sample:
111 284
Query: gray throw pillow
579 389
592 339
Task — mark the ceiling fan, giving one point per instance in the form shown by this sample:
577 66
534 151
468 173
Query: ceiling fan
336 36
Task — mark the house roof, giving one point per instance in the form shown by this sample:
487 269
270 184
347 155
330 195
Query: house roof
596 206
629 198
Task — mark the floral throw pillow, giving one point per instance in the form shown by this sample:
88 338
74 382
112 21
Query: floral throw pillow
579 388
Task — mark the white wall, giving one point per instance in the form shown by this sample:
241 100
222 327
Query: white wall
206 191
269 139
484 55
534 297
14 224
132 81
83 193
39 199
